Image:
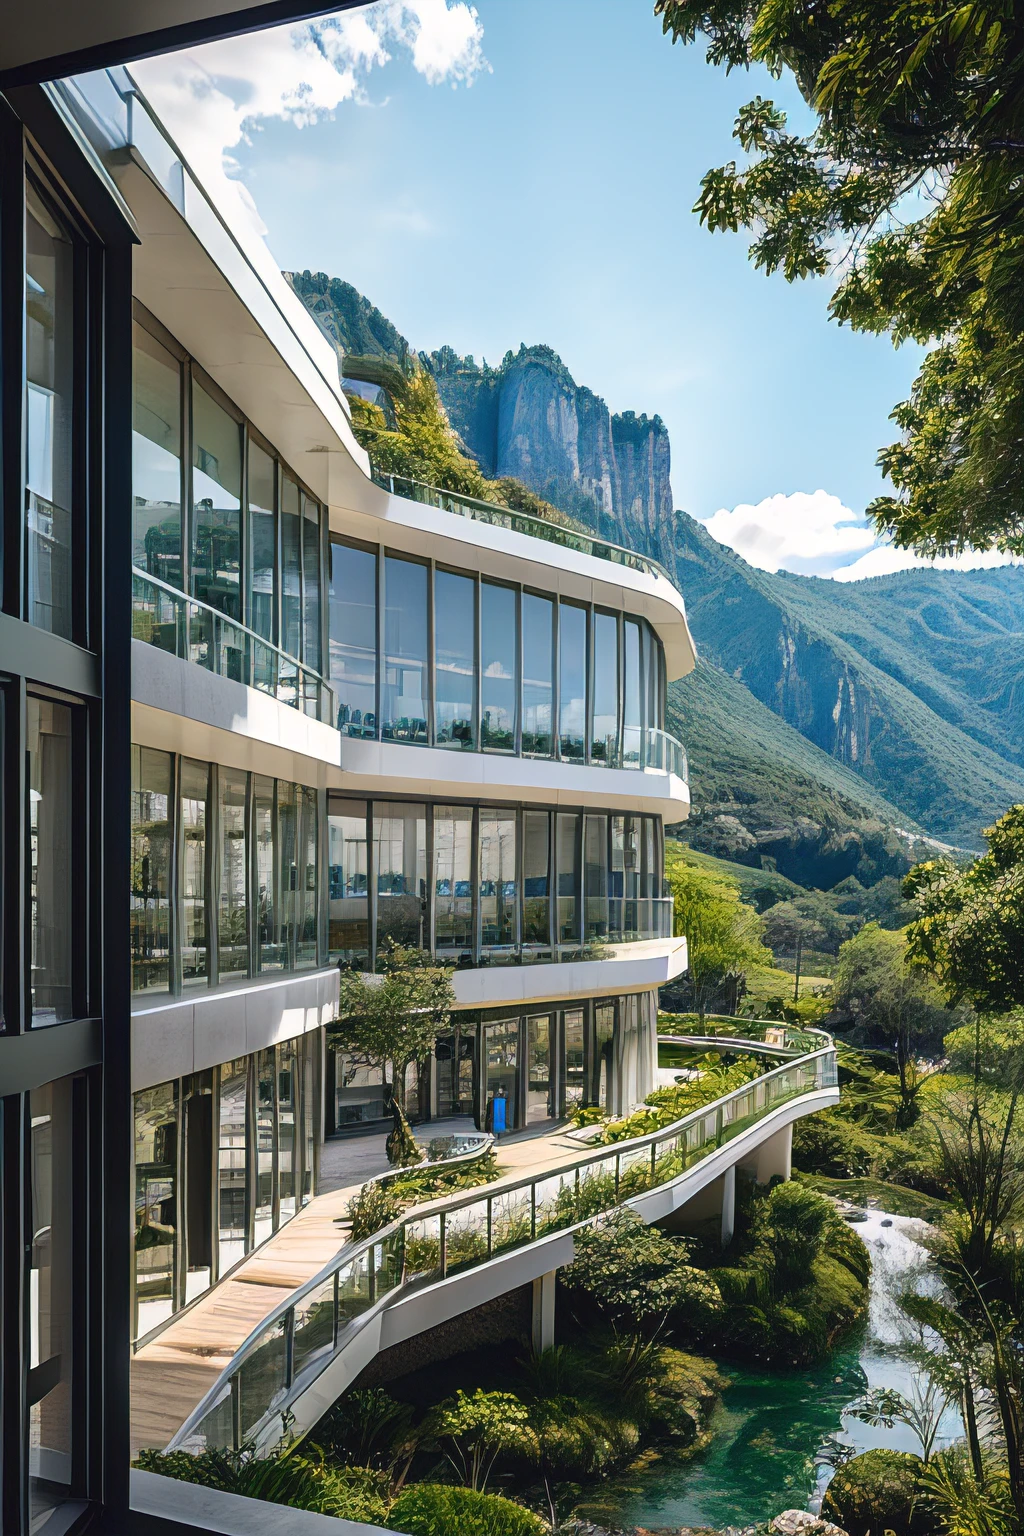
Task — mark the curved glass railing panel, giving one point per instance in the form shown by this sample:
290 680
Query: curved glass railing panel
295 1342
665 754
193 631
521 522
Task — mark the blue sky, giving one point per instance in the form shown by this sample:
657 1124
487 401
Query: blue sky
524 170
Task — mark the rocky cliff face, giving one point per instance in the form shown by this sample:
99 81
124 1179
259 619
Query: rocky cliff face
529 418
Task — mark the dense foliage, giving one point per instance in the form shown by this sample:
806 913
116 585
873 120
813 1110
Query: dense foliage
877 1492
907 188
970 931
637 1277
437 1509
723 934
305 1480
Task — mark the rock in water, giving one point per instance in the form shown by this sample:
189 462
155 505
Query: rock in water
800 1522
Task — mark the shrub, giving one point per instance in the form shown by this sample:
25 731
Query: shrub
830 1144
303 1481
877 1492
434 1509
636 1275
374 1207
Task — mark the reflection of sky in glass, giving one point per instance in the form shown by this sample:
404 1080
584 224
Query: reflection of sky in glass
156 474
40 441
205 488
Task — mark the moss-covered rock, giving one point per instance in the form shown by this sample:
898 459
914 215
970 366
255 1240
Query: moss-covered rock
877 1492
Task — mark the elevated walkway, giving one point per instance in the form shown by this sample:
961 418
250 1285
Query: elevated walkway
201 1384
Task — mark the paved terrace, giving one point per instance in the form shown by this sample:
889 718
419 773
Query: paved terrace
170 1376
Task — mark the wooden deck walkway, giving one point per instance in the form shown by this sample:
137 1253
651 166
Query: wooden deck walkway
170 1376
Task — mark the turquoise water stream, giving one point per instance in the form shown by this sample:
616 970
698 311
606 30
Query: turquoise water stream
771 1426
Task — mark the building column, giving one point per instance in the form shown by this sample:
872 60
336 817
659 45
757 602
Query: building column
543 1332
728 1205
775 1156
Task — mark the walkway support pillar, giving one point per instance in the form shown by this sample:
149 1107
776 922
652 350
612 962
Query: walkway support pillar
728 1205
544 1312
775 1156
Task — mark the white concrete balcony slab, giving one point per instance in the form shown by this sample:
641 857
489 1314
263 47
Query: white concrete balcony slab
626 968
172 1036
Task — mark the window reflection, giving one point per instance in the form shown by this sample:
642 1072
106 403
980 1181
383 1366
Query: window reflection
453 889
216 504
499 670
271 955
49 413
291 568
232 926
52 1331
232 1180
572 681
454 660
194 927
604 725
404 690
400 861
567 867
50 863
536 880
538 674
151 869
156 459
498 887
595 877
353 638
310 583
632 701
348 937
262 542
156 1225
306 917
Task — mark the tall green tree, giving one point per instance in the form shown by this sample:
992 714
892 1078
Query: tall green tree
908 191
723 934
970 932
875 983
391 1020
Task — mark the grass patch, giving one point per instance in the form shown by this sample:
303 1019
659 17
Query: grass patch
877 1193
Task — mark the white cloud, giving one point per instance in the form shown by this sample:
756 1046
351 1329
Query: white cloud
213 97
808 532
814 534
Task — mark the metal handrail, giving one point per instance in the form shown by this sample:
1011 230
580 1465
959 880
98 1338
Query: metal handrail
536 527
281 681
387 1260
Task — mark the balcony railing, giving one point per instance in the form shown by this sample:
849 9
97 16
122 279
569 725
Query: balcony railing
251 1400
521 522
665 754
193 631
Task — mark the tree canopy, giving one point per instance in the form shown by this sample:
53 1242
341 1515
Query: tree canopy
723 934
970 932
908 190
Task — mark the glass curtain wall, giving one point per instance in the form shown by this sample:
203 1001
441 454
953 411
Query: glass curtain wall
249 546
50 765
400 866
348 878
467 663
499 889
225 873
222 1158
453 881
536 885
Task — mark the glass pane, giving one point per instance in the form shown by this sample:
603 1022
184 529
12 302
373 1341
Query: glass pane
536 879
568 878
453 875
306 934
604 746
308 1047
261 1377
311 582
538 673
400 861
265 1140
156 460
454 660
156 1209
54 1246
359 1091
539 1064
498 668
353 638
150 920
287 1142
572 680
632 720
232 1163
270 953
573 1057
232 927
197 1129
501 1074
291 557
216 504
404 698
262 542
50 865
49 414
498 891
314 1326
289 855
595 877
602 1061
348 933
194 789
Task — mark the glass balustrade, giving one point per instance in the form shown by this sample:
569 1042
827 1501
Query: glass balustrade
250 1402
193 631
